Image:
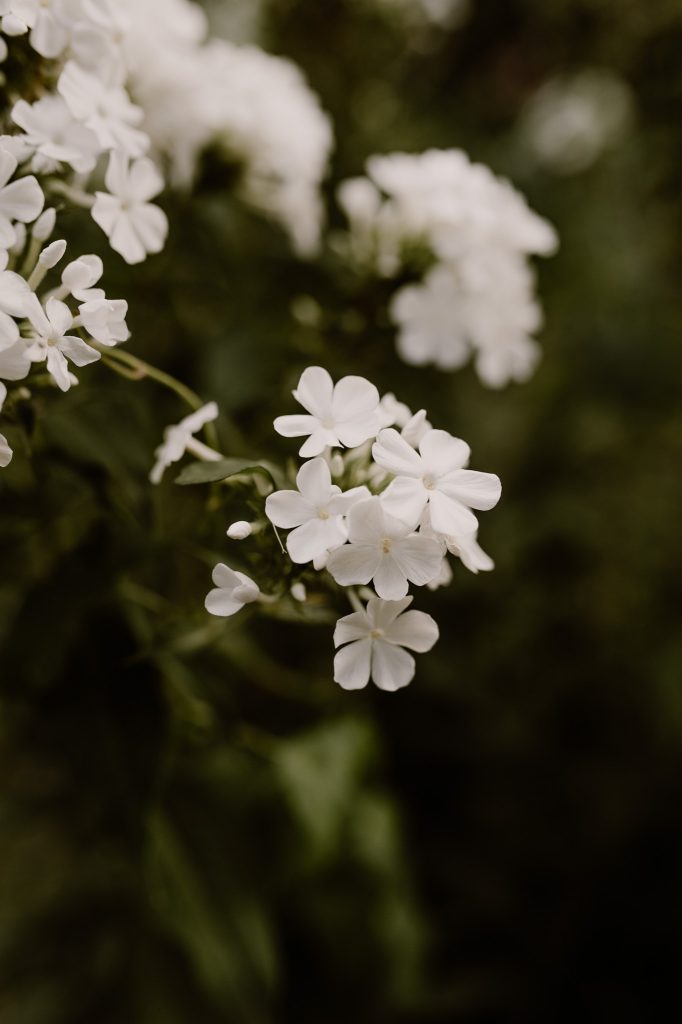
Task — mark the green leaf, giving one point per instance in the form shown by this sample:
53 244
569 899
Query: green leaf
213 472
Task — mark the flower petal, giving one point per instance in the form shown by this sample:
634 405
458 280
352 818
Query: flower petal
78 351
392 667
419 558
352 665
413 629
366 523
351 627
288 509
315 391
222 602
353 564
405 498
392 452
295 426
390 581
314 481
354 398
449 516
442 452
477 490
312 539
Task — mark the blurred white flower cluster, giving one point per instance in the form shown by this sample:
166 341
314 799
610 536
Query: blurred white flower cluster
256 108
474 233
118 80
382 498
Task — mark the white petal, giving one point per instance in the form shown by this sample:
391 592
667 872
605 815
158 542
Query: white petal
413 629
419 558
317 442
366 523
351 627
59 368
151 226
59 315
352 665
381 614
125 241
288 509
77 351
354 398
310 540
225 577
341 504
353 564
314 481
392 452
442 452
13 293
450 517
22 199
116 178
105 211
222 603
295 426
144 181
477 490
392 667
353 433
14 362
314 392
5 452
390 581
405 498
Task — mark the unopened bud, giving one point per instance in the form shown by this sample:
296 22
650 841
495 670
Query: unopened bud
240 530
44 226
51 255
298 592
336 464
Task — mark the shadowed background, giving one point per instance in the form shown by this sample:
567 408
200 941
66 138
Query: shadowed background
196 823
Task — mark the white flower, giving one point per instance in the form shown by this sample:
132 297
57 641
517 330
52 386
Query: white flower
55 136
233 591
51 343
434 476
104 319
20 200
5 450
134 225
341 415
385 550
14 294
375 639
178 438
105 110
79 277
314 513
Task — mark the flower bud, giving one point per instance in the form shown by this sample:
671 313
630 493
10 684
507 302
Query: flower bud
51 255
298 592
240 530
336 464
44 226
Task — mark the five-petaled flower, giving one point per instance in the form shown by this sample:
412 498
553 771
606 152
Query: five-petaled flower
134 226
314 513
342 415
434 476
385 550
375 639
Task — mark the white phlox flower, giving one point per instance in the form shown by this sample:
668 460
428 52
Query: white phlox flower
5 450
435 476
376 639
104 319
50 342
179 438
232 591
79 276
384 550
339 415
314 513
20 200
106 110
55 136
135 226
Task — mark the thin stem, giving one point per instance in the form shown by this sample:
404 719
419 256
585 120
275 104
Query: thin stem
354 600
74 195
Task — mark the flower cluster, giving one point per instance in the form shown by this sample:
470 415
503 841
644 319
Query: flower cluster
255 108
474 233
382 498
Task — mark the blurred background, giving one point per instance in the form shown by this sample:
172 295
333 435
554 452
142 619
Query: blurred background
196 823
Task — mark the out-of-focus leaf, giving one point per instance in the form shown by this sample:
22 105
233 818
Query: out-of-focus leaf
214 472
